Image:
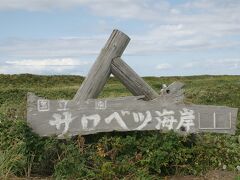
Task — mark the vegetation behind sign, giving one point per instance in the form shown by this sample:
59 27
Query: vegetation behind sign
113 155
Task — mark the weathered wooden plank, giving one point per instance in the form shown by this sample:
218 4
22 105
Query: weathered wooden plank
172 94
174 87
100 71
134 83
66 118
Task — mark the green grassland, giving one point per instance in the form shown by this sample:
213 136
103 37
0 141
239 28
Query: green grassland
129 155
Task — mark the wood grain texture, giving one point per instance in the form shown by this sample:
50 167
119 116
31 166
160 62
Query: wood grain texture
134 83
173 94
50 117
100 71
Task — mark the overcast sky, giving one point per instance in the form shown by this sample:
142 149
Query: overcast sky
174 37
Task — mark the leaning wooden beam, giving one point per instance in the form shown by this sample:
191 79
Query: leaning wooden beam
100 71
134 83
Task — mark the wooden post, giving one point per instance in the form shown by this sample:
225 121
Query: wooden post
134 83
100 71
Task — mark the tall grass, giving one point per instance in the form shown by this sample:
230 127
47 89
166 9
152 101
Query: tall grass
12 161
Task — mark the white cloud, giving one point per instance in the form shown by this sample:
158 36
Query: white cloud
164 66
143 9
60 47
45 66
195 24
227 63
48 62
190 65
37 5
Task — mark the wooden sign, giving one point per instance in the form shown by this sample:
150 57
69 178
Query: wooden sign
147 110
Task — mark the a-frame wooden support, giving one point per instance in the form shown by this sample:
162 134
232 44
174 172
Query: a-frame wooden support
109 61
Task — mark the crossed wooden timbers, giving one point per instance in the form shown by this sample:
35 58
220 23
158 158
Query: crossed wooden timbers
146 110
